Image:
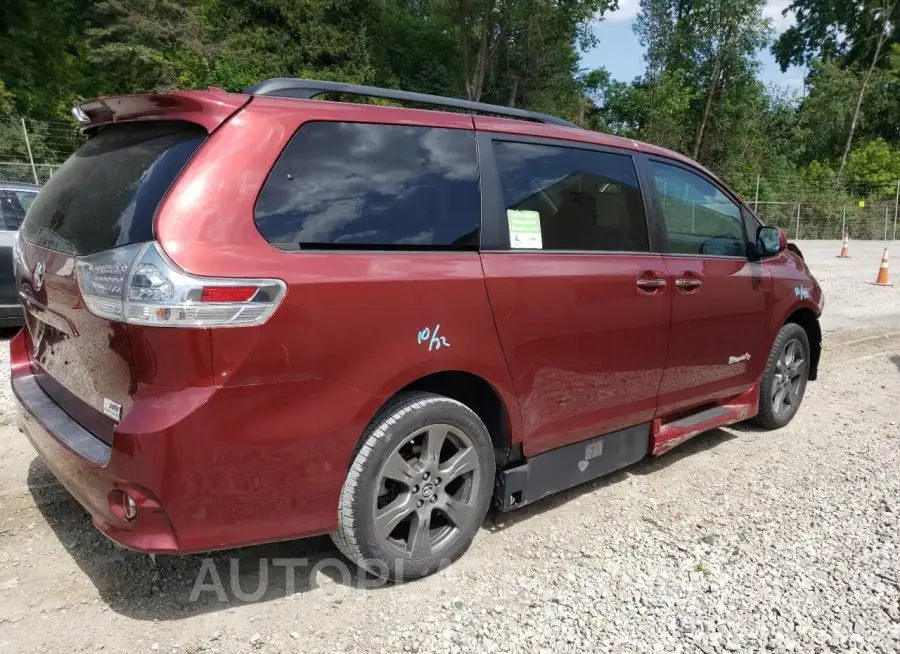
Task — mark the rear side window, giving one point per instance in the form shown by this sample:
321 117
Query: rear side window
576 199
106 194
368 186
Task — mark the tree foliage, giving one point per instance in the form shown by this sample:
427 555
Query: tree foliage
876 164
699 93
858 34
512 52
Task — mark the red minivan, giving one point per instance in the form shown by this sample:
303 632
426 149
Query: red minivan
256 317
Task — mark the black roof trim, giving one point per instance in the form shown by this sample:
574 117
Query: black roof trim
307 89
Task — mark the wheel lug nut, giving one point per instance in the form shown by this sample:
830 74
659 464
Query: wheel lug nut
421 503
415 489
433 499
425 476
437 481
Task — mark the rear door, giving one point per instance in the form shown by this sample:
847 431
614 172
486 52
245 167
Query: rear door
102 198
718 342
580 301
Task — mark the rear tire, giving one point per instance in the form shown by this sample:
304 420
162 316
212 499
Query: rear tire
784 380
418 489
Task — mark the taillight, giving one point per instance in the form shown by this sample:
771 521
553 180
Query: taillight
138 284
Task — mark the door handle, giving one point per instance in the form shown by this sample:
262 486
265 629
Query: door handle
651 285
688 284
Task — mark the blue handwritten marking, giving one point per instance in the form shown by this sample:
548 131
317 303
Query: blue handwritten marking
802 292
436 342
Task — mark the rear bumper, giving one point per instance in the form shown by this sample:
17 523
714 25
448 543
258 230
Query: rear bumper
36 406
208 468
81 463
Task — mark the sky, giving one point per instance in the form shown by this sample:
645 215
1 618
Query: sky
620 53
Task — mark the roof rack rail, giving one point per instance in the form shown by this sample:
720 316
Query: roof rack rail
307 89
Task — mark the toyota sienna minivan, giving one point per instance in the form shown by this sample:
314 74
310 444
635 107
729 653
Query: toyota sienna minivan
260 316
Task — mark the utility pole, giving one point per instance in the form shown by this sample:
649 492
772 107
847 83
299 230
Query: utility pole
797 238
896 202
756 197
30 157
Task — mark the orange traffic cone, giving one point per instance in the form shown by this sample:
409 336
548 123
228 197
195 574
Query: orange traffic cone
883 277
845 249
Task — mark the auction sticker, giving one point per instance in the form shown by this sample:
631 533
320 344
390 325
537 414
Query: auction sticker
524 229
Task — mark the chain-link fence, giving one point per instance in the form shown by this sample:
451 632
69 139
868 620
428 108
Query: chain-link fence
10 171
872 221
30 151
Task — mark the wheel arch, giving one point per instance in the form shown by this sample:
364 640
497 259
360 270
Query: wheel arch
807 319
480 396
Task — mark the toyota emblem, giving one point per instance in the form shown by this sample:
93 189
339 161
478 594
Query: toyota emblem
37 278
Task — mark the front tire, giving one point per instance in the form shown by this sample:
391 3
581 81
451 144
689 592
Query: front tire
784 381
418 489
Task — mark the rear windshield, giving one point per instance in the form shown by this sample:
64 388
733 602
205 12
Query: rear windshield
105 195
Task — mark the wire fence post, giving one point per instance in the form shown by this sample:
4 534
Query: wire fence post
30 156
843 221
756 197
797 237
886 214
896 202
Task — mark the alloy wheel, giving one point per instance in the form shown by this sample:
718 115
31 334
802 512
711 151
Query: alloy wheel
427 491
789 371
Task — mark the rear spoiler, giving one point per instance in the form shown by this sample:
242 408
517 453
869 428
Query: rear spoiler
206 108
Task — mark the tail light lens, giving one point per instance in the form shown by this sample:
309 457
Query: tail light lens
138 284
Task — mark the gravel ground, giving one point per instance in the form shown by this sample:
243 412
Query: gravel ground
852 303
736 541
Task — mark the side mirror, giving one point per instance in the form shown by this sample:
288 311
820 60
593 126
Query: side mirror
770 241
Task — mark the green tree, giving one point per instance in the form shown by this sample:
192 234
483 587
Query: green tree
857 34
656 110
877 165
39 67
509 49
132 46
414 51
826 112
713 43
882 104
250 40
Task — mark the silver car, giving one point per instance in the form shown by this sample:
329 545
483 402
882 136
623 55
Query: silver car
15 198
